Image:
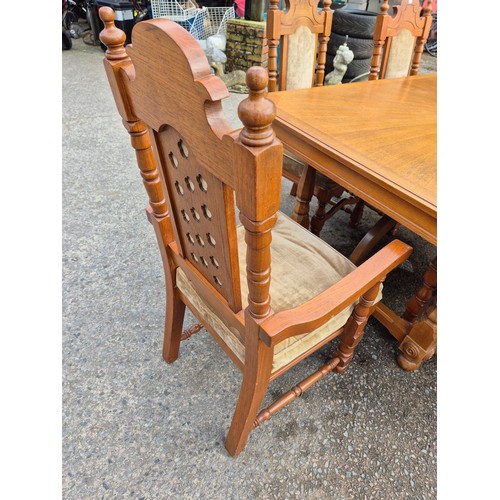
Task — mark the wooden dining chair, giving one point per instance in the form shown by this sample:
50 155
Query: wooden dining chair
399 39
268 291
301 33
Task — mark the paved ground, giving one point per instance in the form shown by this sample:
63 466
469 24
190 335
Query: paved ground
134 427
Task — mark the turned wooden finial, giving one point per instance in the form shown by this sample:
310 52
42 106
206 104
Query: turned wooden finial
273 4
111 36
384 7
327 4
256 111
428 8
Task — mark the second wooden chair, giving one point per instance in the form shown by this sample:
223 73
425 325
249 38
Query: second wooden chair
300 34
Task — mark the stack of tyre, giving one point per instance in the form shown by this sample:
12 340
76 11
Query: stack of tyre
358 26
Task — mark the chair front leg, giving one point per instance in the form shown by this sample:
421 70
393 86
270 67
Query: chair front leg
256 375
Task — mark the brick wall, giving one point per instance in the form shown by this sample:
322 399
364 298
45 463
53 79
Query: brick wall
246 44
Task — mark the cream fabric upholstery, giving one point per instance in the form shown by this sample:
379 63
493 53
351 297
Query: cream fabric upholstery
400 55
303 265
301 59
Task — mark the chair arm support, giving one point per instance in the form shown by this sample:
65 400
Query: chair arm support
317 311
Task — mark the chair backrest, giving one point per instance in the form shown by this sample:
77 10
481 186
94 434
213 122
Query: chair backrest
302 32
399 39
195 163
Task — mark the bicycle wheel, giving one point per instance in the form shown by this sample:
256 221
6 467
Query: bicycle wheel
431 48
431 45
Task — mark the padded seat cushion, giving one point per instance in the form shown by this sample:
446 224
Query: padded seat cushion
302 266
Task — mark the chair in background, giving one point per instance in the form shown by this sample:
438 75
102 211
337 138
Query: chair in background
399 39
301 32
269 291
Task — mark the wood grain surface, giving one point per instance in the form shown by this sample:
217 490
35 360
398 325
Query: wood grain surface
376 138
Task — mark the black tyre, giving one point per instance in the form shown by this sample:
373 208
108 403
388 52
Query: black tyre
361 47
355 23
357 67
67 43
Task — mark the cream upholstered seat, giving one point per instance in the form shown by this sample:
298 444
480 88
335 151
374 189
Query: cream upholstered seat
269 292
302 266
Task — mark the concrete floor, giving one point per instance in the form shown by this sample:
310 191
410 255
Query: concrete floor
134 427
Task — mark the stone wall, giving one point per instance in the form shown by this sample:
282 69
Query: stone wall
246 44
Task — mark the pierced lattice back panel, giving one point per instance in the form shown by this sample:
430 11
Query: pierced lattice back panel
204 217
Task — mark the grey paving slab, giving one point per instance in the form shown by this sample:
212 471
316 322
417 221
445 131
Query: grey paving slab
134 427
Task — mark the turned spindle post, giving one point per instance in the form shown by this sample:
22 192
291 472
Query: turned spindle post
258 158
420 42
416 305
273 20
355 326
119 69
257 113
323 43
378 44
118 61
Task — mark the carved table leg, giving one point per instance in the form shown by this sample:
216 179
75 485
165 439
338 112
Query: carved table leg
421 299
420 342
305 191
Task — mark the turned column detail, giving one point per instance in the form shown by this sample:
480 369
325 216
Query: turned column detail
262 174
273 19
354 328
416 305
323 43
420 42
378 44
140 140
116 64
305 191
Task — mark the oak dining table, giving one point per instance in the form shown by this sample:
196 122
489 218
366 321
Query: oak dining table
377 139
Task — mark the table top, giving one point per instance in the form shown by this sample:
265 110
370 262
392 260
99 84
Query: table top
375 138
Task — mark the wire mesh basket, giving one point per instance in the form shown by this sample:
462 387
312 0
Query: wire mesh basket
200 22
181 10
211 21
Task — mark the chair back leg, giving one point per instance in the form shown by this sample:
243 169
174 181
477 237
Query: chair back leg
174 319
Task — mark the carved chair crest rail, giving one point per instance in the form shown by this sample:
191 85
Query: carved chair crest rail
399 39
